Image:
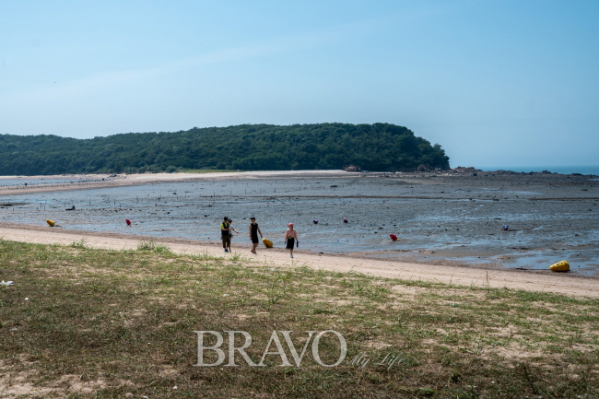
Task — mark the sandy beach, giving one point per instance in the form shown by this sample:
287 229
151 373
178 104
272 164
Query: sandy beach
278 258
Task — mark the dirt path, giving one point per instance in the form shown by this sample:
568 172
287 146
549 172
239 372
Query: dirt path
543 281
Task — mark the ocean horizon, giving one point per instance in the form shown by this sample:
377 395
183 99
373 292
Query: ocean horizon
582 169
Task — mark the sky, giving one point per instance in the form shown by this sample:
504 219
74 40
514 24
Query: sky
496 83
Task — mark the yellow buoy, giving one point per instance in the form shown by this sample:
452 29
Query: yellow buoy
562 266
267 243
50 222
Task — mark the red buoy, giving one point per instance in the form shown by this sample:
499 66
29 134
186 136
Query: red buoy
128 222
393 237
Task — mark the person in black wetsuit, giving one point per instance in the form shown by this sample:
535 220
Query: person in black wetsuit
254 231
225 234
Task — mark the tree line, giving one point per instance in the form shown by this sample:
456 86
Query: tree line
374 147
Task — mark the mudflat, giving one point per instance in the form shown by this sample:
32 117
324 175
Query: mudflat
448 223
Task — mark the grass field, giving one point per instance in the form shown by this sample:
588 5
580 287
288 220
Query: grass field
88 323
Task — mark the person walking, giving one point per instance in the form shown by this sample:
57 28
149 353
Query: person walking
254 231
291 238
225 234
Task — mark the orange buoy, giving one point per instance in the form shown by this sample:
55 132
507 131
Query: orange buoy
50 222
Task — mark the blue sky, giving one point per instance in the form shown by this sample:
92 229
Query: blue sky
494 82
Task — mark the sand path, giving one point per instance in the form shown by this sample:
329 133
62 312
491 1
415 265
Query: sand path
543 281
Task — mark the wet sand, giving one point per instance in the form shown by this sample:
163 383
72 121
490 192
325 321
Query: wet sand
448 219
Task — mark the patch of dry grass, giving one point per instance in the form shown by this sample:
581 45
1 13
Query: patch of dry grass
114 324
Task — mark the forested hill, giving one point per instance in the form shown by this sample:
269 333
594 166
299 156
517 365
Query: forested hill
377 147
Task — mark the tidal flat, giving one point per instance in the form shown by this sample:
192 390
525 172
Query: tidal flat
440 218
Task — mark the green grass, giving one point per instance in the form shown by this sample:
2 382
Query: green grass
78 244
150 245
123 322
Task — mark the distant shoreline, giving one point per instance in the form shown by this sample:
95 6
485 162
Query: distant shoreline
86 182
67 182
562 170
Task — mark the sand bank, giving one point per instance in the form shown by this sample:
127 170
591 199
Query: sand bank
277 258
81 182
